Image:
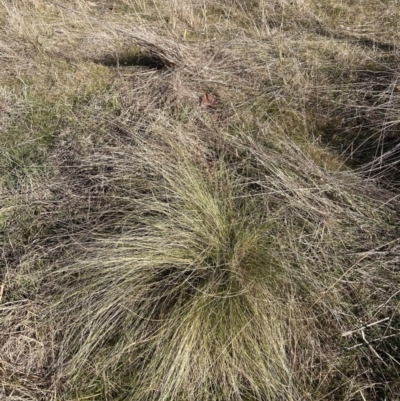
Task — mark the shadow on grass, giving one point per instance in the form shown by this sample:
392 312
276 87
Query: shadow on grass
130 59
364 125
360 41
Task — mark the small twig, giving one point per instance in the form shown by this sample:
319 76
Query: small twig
1 292
347 333
393 359
372 348
372 341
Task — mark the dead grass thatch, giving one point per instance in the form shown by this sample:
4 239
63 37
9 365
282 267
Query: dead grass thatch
159 246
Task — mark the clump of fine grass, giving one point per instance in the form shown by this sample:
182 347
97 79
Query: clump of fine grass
213 288
174 306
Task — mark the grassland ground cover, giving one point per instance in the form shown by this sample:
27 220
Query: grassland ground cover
199 200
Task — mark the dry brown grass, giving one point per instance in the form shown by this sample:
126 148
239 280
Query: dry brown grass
154 249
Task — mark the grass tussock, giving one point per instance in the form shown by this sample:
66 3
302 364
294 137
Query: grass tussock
157 249
204 289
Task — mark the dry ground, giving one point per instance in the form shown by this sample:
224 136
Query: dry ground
199 200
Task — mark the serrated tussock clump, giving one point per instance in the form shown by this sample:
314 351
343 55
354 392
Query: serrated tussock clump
213 278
